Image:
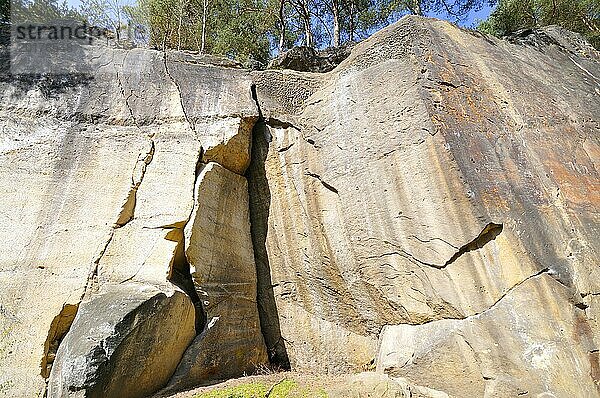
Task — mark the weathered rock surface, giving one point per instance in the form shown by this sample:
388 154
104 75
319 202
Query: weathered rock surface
221 259
307 59
116 339
104 205
436 179
526 359
429 208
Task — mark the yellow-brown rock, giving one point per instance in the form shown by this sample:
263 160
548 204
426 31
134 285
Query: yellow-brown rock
434 202
428 210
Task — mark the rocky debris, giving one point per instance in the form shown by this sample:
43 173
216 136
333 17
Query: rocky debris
409 210
307 59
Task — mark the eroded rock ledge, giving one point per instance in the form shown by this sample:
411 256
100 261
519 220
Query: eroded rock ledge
427 208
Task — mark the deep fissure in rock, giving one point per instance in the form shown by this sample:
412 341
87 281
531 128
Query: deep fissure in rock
260 202
179 270
60 326
489 233
180 275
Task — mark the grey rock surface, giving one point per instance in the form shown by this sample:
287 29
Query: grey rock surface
115 339
307 59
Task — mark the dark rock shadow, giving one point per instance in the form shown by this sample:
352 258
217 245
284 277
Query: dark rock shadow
260 201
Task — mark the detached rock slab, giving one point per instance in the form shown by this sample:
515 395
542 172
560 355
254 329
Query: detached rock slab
221 258
126 341
227 141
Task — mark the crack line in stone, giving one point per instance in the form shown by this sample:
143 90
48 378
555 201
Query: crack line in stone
489 233
496 303
178 92
326 185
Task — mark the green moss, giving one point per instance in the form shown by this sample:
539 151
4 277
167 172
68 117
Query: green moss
284 389
246 390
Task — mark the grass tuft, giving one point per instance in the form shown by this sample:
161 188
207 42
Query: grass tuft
285 388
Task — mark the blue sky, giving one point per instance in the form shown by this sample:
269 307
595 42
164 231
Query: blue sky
474 17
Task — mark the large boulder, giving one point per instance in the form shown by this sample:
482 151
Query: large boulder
307 59
116 348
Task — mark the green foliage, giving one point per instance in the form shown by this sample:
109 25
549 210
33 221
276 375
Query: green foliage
455 10
4 12
582 16
251 31
238 29
138 21
250 390
42 11
104 13
283 389
241 30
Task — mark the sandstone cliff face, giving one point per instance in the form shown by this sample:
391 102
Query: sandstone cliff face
434 204
109 227
428 209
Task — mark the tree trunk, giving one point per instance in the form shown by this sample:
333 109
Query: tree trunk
418 10
307 25
179 25
282 23
336 23
204 12
352 27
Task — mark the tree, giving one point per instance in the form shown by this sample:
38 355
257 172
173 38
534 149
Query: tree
582 16
456 10
304 12
360 18
357 19
239 29
41 11
107 14
137 20
256 29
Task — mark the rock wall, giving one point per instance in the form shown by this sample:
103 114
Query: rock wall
428 209
104 179
433 205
